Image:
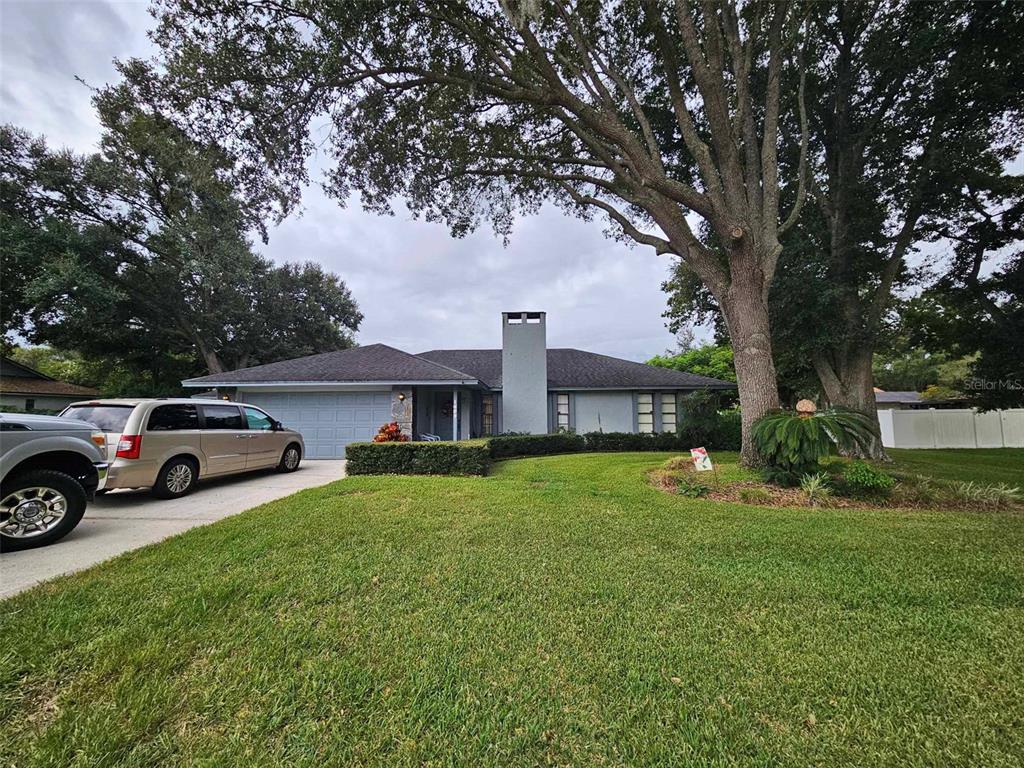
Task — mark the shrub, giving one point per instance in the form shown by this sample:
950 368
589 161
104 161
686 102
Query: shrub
629 441
915 489
754 495
390 433
993 496
701 423
507 446
437 458
726 435
862 479
815 487
693 489
793 444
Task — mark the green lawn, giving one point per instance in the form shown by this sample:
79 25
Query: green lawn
560 612
983 465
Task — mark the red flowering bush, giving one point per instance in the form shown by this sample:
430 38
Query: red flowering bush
390 433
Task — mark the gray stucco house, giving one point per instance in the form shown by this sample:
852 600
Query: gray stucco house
336 398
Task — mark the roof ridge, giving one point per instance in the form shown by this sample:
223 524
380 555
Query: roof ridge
419 356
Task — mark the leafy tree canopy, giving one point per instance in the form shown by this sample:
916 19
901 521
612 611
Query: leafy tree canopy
139 254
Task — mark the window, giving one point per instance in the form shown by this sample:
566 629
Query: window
168 417
30 404
223 417
668 412
487 415
645 412
109 418
562 411
258 419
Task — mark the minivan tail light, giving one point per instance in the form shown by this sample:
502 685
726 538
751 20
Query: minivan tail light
129 446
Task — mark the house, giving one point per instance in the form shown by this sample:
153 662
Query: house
336 398
898 401
26 389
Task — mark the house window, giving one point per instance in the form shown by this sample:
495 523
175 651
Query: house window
668 412
487 415
562 412
645 412
30 404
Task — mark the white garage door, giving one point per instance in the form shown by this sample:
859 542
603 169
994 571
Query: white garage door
328 421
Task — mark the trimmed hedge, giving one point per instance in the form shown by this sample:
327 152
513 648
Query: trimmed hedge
628 441
435 458
507 446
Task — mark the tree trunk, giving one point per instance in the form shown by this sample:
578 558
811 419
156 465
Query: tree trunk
746 315
853 387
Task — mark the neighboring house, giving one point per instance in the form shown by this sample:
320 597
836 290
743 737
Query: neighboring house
898 401
336 398
905 401
27 389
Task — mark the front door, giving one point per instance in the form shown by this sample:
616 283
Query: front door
224 439
443 415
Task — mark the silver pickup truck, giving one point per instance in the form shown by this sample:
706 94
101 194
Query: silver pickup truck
50 468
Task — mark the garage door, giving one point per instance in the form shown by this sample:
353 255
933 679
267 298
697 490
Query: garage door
328 421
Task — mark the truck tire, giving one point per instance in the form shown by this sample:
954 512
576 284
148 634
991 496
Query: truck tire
38 508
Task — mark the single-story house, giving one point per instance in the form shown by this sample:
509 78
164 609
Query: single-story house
27 389
898 401
336 398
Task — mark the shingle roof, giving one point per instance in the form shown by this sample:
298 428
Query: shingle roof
374 362
881 396
576 369
23 385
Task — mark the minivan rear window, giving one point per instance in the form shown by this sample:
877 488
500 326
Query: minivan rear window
109 418
177 416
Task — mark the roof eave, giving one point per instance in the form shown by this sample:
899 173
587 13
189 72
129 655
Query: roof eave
200 384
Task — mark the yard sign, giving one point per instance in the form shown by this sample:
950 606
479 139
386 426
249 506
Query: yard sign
701 460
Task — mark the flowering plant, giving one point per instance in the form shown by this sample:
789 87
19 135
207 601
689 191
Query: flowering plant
390 433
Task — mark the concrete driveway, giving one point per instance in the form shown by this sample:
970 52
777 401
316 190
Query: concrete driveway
124 520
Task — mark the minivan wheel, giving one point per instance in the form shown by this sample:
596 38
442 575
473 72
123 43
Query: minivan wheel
38 508
177 478
290 459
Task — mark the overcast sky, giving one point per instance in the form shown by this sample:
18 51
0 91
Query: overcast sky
418 287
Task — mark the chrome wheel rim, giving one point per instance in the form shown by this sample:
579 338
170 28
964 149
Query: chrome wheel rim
179 477
31 512
291 458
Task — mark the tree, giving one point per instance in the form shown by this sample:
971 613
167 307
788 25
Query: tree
143 255
976 307
907 103
645 112
910 101
714 360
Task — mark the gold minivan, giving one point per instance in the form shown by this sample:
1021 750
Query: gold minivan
168 444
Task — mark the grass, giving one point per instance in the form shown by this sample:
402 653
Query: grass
982 465
560 612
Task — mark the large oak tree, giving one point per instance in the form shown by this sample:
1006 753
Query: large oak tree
654 114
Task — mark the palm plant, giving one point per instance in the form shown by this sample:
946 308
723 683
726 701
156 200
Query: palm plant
793 444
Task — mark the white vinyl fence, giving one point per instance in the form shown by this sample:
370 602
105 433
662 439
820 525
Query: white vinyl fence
953 428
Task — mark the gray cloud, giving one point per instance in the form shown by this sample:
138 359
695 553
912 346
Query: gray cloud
418 287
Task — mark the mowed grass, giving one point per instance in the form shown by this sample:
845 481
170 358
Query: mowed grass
560 612
982 465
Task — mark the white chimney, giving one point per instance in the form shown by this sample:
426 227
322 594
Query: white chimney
524 372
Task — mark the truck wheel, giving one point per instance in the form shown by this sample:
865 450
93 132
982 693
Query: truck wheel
38 508
177 478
